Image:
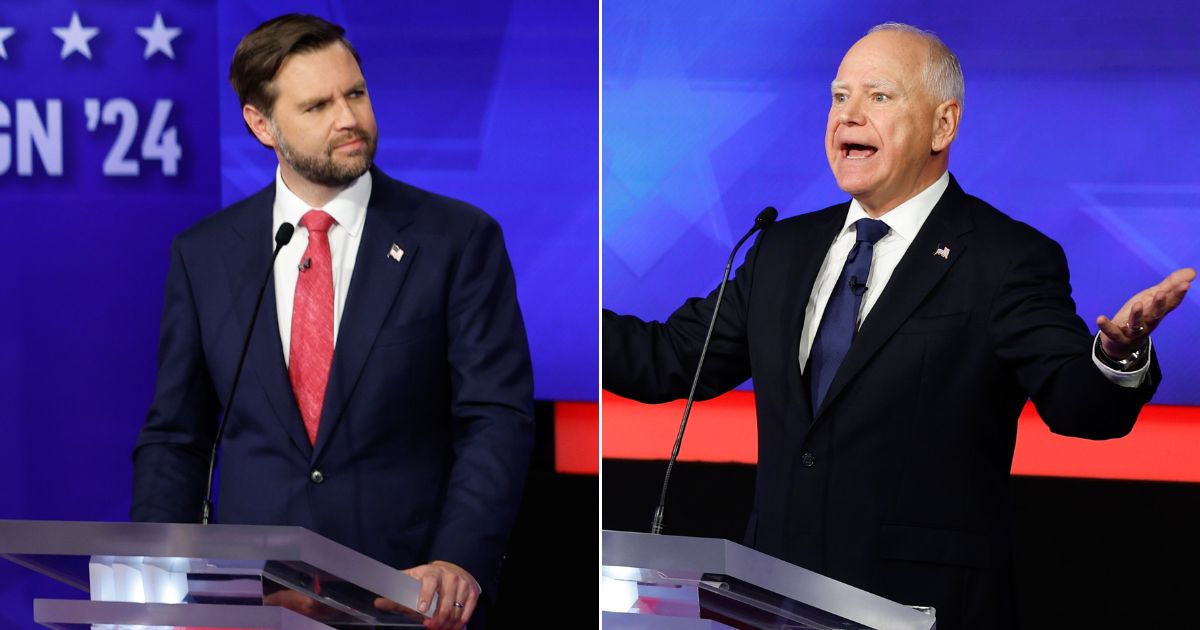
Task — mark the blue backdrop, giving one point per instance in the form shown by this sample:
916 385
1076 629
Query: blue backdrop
490 101
1078 120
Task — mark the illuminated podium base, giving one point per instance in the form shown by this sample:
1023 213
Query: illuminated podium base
83 614
157 575
677 582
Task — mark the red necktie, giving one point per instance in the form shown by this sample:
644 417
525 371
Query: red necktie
312 323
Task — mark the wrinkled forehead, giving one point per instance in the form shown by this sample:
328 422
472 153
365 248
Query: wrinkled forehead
311 72
885 56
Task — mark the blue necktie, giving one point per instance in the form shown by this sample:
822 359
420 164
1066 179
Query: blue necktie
840 321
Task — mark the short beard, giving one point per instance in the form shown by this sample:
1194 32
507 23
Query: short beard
321 169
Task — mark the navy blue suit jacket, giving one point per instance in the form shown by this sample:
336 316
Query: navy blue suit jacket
427 423
899 483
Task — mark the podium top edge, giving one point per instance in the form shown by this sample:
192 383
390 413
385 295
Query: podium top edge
225 543
182 540
692 558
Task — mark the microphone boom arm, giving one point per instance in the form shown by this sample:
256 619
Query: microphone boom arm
761 222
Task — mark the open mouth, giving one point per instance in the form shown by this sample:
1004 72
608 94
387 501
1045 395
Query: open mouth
852 151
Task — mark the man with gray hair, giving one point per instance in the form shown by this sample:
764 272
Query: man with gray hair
893 341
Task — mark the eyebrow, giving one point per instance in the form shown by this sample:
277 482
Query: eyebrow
838 84
312 102
359 86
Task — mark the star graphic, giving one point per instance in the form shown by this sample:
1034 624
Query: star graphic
75 37
158 37
5 33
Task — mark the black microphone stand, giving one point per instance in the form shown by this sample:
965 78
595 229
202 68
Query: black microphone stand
761 222
282 237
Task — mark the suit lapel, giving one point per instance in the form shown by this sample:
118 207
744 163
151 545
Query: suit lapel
802 275
374 286
915 277
246 262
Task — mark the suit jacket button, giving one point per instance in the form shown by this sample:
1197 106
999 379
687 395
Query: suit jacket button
317 476
807 460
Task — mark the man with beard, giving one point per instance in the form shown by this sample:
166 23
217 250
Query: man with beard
386 401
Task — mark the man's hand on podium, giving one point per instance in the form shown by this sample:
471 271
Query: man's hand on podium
457 591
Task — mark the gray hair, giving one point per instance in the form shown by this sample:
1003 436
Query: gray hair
943 75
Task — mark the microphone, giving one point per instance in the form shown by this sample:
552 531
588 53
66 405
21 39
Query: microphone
282 237
859 288
763 221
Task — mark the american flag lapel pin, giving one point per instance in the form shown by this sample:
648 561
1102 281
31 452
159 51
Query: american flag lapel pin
943 251
396 253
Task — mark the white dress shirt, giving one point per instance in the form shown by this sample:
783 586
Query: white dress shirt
349 210
904 221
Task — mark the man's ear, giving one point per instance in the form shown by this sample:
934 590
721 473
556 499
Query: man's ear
259 125
945 125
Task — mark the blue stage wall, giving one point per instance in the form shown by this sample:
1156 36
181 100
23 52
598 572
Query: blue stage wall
1079 118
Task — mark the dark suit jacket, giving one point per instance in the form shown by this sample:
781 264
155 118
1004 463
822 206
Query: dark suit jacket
899 485
427 425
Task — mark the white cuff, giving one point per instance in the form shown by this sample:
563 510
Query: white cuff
1132 379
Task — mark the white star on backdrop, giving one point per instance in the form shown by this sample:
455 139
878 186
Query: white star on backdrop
5 33
158 37
75 37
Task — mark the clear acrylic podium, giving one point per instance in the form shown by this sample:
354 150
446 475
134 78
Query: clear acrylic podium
156 575
655 581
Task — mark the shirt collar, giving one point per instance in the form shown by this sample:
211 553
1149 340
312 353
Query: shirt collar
348 207
906 219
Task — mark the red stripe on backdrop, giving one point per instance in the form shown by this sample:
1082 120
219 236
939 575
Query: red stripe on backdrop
720 430
1164 445
577 438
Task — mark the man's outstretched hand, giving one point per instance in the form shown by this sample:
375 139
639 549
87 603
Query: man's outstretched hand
1127 331
457 592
